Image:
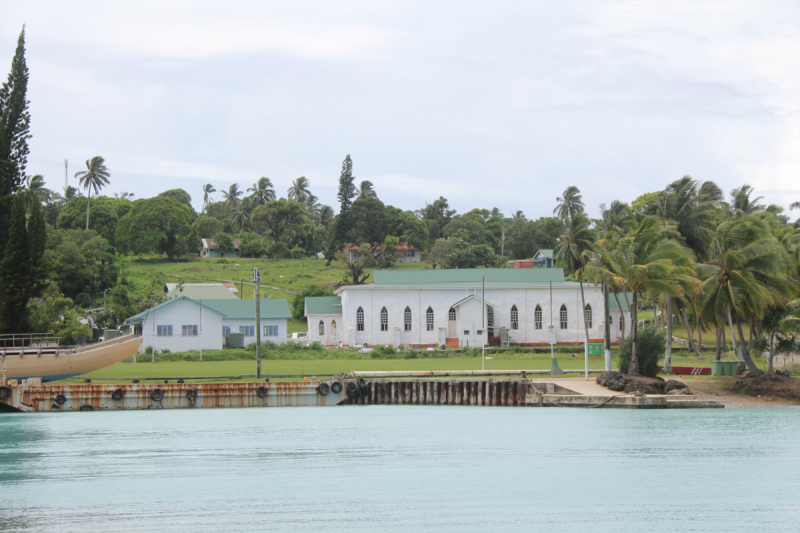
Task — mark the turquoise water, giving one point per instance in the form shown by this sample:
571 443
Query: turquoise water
401 468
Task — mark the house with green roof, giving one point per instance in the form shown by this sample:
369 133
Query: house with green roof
460 307
181 324
544 258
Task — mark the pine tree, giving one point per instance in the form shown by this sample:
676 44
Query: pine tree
15 270
342 228
14 134
37 239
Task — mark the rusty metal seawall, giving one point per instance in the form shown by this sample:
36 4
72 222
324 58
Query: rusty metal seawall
91 397
509 393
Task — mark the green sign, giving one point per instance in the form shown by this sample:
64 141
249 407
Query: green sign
597 347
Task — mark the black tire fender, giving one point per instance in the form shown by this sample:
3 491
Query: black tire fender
61 399
5 392
336 387
86 407
261 392
324 389
118 394
191 394
156 394
351 389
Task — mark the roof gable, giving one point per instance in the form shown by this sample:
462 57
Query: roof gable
274 308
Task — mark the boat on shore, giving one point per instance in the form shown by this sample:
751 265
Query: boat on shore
41 357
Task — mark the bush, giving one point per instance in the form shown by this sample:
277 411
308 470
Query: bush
298 253
650 347
299 302
384 352
83 299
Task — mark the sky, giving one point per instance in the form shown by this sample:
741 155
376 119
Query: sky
489 104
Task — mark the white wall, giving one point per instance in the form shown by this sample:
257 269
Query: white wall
440 300
178 314
234 325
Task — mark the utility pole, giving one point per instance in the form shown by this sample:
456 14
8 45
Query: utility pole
483 323
256 280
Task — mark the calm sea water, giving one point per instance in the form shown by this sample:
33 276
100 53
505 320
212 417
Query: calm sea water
401 468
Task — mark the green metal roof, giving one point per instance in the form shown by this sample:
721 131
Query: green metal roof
270 308
548 253
323 305
612 302
493 276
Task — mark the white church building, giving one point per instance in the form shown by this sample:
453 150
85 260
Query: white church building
469 307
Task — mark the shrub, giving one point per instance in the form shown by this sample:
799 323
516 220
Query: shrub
650 347
298 253
298 304
384 352
83 299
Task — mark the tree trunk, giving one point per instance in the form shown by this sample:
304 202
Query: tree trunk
751 366
689 333
88 197
607 312
699 339
621 316
630 309
769 362
668 351
633 369
718 352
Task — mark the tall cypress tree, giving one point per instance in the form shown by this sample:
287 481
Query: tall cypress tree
342 228
15 268
14 134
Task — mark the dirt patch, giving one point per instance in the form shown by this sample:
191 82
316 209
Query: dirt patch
759 392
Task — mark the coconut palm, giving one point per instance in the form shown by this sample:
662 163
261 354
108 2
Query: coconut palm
94 177
70 193
299 190
33 185
232 196
124 196
570 203
742 205
262 191
207 190
745 273
496 212
325 216
643 261
366 190
312 207
519 215
572 248
240 217
617 219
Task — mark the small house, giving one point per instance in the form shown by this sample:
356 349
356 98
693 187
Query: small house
543 258
209 246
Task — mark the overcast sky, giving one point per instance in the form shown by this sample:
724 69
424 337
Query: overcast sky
486 103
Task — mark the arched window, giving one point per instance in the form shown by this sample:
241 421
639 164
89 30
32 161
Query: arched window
333 328
407 319
537 317
621 322
429 319
384 320
360 319
588 313
321 328
514 317
610 320
563 316
452 315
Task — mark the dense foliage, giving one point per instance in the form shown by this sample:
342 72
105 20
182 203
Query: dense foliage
650 344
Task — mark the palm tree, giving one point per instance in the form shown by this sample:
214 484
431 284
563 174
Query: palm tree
312 206
207 190
519 215
70 193
570 203
262 191
366 190
741 203
617 219
745 273
94 177
687 210
33 185
496 212
299 190
325 216
124 196
232 195
644 261
571 251
240 217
